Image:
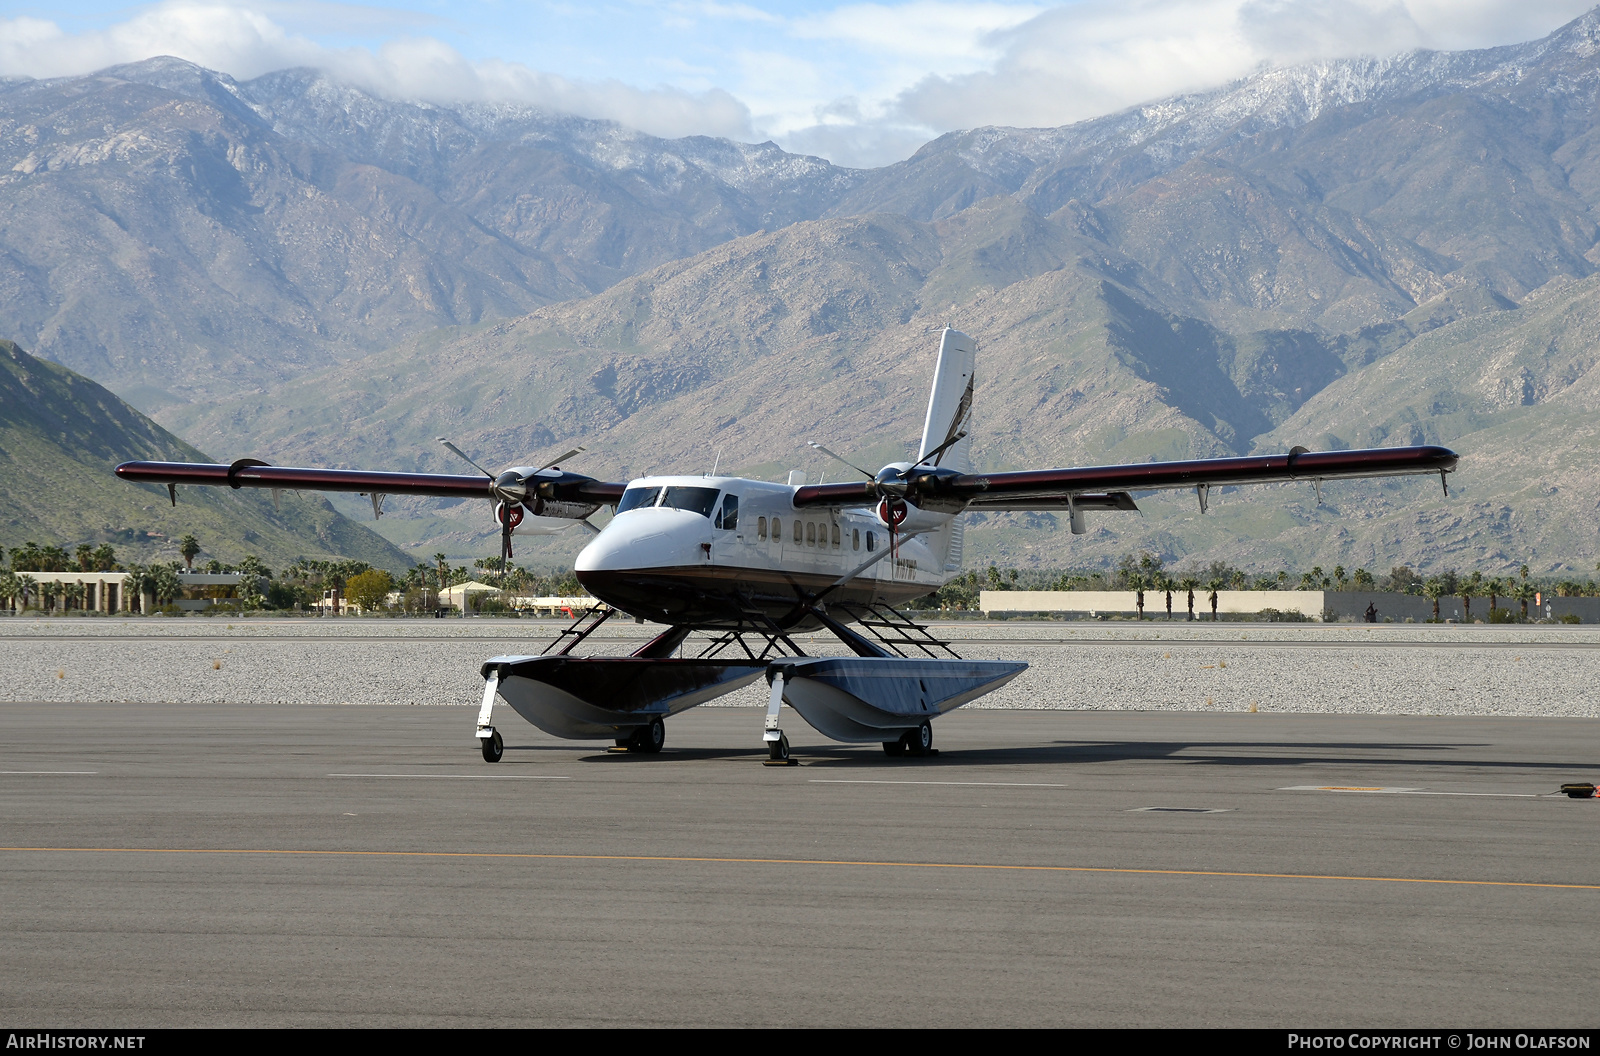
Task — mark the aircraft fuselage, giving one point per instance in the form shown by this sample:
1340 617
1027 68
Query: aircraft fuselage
679 552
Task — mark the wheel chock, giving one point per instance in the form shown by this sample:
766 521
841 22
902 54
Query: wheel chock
1578 791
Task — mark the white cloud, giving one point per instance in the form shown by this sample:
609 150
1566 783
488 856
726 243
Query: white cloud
1095 57
862 83
246 43
926 29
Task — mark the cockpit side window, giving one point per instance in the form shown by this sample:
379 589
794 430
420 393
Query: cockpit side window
637 498
697 500
728 516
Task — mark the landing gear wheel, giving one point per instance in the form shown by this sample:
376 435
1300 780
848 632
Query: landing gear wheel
778 750
920 740
493 748
894 749
649 739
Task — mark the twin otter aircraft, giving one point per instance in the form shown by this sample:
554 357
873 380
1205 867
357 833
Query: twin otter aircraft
752 561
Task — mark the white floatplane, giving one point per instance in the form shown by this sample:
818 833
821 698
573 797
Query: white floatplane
753 561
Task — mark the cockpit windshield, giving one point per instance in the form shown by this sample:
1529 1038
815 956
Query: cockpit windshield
699 500
634 498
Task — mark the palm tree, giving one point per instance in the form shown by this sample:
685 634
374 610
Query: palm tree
1495 586
1470 587
1189 583
1338 575
190 549
1137 581
1431 590
1524 591
1215 585
1165 583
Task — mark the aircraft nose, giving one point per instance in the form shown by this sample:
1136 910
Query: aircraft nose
656 538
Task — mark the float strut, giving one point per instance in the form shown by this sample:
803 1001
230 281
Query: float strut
491 686
777 743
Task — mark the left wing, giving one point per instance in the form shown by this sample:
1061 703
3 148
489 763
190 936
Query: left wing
1107 487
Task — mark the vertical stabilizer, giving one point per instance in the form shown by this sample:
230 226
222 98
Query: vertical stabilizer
950 404
950 414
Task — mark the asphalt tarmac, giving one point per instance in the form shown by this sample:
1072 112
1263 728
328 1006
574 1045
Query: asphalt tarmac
170 865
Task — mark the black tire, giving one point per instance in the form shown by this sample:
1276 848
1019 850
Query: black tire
649 739
778 750
920 740
493 748
894 748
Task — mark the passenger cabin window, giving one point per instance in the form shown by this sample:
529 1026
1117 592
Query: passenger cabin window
696 500
761 528
637 498
777 529
836 537
871 541
811 533
799 533
728 516
855 538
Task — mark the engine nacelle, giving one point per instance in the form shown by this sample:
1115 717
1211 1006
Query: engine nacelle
548 500
908 518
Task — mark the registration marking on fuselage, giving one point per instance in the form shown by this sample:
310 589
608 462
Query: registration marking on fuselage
1406 791
983 784
469 777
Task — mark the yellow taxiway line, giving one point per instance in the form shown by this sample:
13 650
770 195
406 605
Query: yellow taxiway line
689 859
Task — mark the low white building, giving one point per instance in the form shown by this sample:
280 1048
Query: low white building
107 591
462 594
554 605
1310 603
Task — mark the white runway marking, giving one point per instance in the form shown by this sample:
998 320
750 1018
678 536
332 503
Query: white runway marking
40 773
1407 791
471 777
986 784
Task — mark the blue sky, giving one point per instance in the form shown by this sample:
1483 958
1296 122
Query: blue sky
861 83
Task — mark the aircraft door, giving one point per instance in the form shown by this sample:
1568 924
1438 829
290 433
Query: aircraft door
728 516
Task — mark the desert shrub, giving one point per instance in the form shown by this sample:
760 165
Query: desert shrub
1282 616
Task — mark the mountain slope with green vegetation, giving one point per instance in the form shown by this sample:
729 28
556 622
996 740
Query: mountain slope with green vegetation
61 436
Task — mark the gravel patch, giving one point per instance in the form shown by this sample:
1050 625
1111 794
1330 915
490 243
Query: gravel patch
1388 669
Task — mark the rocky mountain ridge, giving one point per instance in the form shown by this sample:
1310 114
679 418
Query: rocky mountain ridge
1222 272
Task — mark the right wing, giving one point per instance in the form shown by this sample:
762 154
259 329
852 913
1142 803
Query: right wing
549 487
